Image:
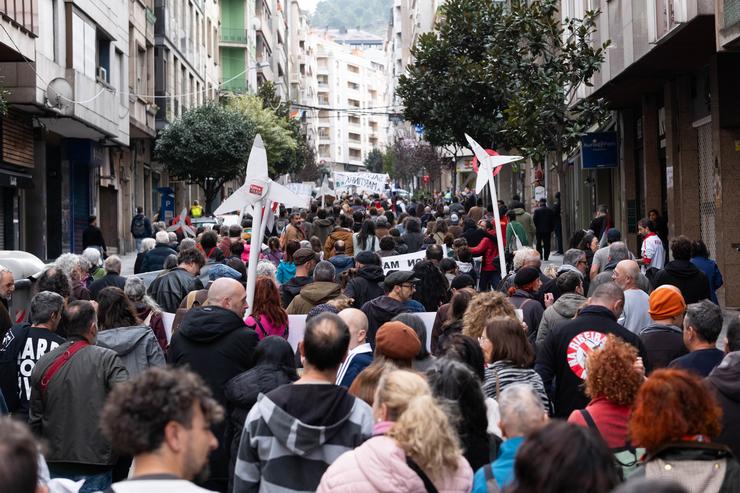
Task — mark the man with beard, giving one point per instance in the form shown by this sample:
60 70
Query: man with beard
7 286
162 418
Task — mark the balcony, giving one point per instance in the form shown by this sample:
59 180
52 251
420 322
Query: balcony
234 35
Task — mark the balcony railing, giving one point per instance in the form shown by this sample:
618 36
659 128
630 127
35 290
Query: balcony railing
234 35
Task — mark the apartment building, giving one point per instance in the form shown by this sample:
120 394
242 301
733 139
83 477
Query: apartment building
351 96
671 77
302 70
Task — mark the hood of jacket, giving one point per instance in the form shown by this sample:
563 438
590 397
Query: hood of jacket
387 307
208 323
320 291
682 269
295 284
567 304
569 268
304 417
726 376
341 234
323 223
243 389
123 340
373 273
342 261
464 267
519 211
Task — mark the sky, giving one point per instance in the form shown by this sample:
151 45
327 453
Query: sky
309 5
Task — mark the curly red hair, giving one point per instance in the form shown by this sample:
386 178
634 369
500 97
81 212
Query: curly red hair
670 405
611 373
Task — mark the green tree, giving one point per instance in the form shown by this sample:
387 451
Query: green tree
374 161
207 146
275 129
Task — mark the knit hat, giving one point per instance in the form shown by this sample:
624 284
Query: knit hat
525 275
666 302
397 340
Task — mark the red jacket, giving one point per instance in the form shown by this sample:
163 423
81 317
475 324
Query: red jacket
489 249
611 420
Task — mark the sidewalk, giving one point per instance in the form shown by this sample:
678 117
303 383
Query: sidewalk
127 263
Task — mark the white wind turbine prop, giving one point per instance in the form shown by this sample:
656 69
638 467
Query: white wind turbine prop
325 190
259 192
487 164
186 230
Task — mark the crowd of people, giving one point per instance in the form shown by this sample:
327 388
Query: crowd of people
600 374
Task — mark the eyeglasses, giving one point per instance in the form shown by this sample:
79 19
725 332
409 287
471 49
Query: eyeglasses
408 285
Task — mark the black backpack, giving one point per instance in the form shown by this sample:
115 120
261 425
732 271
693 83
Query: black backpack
138 229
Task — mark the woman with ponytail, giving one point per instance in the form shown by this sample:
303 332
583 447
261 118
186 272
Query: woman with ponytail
414 447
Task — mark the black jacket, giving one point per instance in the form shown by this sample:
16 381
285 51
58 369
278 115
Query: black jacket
692 282
216 344
169 289
663 344
110 279
725 382
154 258
414 241
544 220
92 236
561 359
290 289
366 286
379 311
147 226
531 310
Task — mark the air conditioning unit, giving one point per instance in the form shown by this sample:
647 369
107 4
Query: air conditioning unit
102 74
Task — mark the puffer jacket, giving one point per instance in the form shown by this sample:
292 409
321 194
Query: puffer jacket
170 289
379 466
343 234
67 415
313 294
136 346
366 286
561 311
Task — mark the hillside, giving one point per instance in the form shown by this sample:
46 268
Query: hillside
368 15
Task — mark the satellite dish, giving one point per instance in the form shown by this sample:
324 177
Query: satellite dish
59 95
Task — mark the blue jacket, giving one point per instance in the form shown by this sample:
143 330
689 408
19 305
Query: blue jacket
503 466
285 272
710 269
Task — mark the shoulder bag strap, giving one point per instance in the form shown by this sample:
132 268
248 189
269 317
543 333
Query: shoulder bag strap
491 483
259 324
428 485
589 420
59 363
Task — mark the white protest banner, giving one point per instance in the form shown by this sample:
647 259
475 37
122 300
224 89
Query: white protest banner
406 261
167 319
302 189
368 182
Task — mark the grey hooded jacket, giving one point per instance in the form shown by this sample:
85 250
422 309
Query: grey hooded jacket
561 311
136 346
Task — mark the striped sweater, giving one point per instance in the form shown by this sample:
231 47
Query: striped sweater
501 374
294 433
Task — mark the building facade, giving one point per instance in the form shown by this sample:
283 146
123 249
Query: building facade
671 78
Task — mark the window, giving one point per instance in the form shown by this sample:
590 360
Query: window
355 154
353 68
354 120
84 46
324 150
141 72
121 78
353 103
103 57
353 85
355 137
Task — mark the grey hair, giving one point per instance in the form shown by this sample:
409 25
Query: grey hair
162 237
70 264
265 268
572 256
521 409
135 290
324 271
148 244
618 251
522 255
172 235
706 319
92 255
112 264
187 243
3 270
44 305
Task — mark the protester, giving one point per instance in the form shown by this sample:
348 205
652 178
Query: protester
663 338
399 287
365 240
154 259
490 274
449 319
53 279
700 258
294 433
68 389
525 219
169 289
368 281
7 286
683 274
402 456
652 251
431 289
94 270
635 314
286 268
521 415
216 329
701 328
320 290
509 359
341 261
341 232
544 221
268 318
561 359
274 365
359 354
723 381
601 257
454 381
676 418
24 346
482 308
20 461
423 360
413 237
112 266
570 287
523 295
75 267
305 260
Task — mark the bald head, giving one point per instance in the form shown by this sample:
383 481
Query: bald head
357 322
626 274
227 293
